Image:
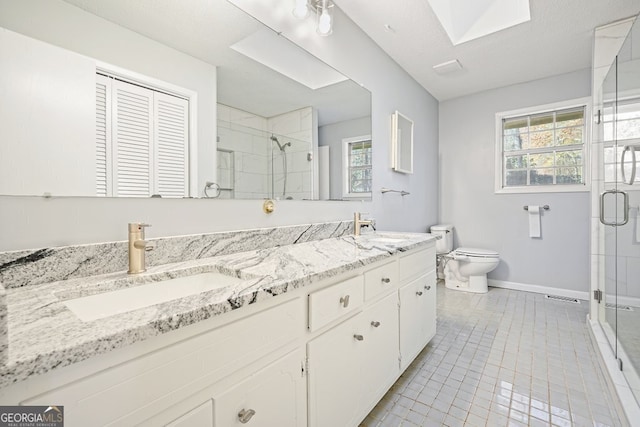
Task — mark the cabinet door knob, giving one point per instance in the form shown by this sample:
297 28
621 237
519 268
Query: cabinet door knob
385 280
245 415
427 287
345 301
375 324
358 337
419 293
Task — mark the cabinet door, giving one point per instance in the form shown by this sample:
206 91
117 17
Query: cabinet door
380 365
335 383
202 416
430 307
273 396
417 316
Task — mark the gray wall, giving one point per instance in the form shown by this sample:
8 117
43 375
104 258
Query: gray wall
332 136
497 221
30 222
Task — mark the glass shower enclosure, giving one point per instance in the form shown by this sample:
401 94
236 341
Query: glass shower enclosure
616 133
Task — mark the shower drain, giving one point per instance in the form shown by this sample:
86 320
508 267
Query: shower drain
618 306
563 299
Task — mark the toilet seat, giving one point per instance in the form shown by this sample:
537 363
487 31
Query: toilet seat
475 253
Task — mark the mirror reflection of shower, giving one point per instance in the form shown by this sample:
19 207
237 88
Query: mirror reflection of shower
283 154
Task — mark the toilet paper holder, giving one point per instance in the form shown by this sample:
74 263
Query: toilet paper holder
545 207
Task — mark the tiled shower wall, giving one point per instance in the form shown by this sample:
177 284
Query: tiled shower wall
246 154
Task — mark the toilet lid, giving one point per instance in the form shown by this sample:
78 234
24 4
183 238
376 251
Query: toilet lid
475 252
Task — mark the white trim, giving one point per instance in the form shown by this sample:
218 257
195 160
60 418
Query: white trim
190 95
615 378
558 188
538 289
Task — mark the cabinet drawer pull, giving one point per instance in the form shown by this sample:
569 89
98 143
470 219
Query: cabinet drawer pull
375 324
427 287
345 301
385 280
245 415
419 293
358 337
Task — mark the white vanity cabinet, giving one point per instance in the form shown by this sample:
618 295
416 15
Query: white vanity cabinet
321 356
161 382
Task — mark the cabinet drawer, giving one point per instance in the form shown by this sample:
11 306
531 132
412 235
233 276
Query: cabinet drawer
335 301
415 264
380 280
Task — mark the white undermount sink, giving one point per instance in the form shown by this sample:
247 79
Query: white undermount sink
387 239
120 301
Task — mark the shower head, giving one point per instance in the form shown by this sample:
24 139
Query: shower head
280 146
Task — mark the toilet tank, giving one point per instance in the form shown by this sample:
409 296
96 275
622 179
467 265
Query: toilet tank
445 244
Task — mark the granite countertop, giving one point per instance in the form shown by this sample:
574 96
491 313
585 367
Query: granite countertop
43 334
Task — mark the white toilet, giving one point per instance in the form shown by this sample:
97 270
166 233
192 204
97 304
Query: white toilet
464 269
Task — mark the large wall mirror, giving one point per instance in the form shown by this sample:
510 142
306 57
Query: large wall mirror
115 98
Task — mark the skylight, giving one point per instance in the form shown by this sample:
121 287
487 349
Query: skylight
277 53
465 20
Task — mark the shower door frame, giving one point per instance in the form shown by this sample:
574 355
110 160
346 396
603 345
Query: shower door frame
618 247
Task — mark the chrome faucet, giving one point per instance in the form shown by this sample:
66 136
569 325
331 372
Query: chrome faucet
358 223
137 247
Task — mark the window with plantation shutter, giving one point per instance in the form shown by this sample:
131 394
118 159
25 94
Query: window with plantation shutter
171 139
103 133
542 149
142 141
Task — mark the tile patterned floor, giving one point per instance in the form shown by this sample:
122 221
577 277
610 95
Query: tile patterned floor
505 358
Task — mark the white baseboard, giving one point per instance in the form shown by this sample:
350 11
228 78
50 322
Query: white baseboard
539 289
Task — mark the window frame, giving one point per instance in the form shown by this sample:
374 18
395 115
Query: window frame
499 166
346 168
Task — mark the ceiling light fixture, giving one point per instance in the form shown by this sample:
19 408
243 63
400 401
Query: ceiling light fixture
323 10
301 9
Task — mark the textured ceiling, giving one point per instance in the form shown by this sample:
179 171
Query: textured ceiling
557 40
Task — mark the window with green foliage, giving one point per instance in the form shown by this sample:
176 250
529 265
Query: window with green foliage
542 149
357 171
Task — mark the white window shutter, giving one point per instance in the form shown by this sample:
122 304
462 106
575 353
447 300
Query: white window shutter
103 135
132 140
171 141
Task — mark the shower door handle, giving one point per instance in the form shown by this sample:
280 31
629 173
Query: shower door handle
625 208
632 178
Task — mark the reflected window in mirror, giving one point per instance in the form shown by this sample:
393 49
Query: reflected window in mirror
357 153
